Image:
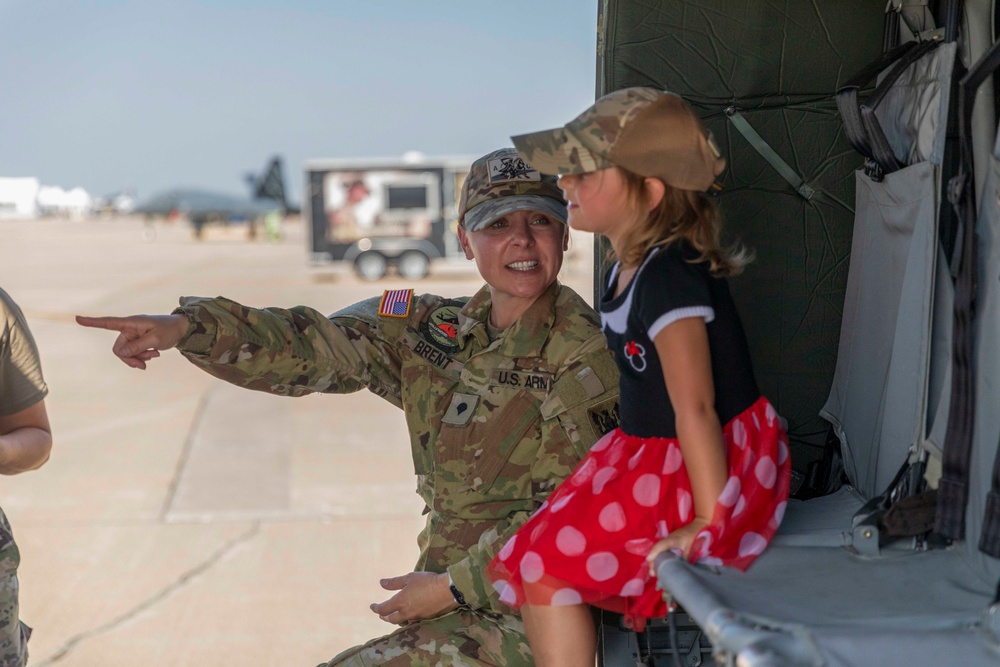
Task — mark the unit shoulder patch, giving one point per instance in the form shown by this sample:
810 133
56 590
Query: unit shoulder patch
604 416
441 326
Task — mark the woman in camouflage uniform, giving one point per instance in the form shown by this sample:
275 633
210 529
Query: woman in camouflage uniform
503 393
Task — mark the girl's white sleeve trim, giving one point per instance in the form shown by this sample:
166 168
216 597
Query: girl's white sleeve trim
668 318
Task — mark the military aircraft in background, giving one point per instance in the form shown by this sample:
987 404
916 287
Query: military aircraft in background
267 196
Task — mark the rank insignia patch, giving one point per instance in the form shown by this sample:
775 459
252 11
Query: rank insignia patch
395 303
461 409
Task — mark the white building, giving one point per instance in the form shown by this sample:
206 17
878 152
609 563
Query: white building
18 198
75 204
24 198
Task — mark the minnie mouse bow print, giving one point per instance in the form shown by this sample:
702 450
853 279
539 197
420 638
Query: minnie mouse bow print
636 355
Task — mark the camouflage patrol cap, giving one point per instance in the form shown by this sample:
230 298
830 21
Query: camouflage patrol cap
647 131
500 183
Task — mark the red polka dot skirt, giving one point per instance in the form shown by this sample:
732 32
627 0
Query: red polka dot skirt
588 542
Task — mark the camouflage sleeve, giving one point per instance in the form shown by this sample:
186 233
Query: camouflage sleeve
582 406
293 352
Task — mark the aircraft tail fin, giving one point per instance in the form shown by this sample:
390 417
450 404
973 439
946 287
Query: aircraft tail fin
271 184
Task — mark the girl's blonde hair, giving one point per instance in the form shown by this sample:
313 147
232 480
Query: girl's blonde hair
681 214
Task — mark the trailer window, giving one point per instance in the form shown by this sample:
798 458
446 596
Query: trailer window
406 196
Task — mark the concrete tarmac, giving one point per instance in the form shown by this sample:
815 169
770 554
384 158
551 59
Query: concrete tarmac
182 521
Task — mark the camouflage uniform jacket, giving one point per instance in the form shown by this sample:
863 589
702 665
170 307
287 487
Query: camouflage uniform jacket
494 425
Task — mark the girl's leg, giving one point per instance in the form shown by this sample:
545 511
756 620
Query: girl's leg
561 635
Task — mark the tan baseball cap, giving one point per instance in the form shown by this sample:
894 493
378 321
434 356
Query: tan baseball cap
647 131
500 183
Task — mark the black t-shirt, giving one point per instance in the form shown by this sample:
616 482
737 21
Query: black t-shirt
668 287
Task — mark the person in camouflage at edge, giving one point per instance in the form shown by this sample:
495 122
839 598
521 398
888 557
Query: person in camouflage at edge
25 444
503 393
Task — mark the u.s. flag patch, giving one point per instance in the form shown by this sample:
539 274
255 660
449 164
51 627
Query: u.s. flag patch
395 303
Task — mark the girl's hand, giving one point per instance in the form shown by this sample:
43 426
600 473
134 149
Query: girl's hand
680 540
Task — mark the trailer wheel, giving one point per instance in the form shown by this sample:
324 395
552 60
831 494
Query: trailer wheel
413 265
370 265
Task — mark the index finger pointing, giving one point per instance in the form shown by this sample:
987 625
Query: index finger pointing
111 323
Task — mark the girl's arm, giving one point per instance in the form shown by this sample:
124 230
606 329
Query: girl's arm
687 371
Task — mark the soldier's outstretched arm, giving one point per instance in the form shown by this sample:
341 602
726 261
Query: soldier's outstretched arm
294 351
140 337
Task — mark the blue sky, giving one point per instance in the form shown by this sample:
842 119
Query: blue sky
150 94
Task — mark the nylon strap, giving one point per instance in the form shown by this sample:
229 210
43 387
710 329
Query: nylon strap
861 126
847 97
910 516
989 541
881 150
953 489
769 154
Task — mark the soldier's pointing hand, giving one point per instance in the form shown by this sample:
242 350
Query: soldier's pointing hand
140 337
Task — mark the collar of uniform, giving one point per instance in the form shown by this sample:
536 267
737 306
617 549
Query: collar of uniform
527 336
524 338
472 318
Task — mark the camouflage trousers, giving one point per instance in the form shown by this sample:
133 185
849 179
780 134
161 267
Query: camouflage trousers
462 637
13 634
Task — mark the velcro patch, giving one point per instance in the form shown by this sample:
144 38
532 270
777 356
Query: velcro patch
590 382
461 409
431 354
604 416
395 303
511 169
523 379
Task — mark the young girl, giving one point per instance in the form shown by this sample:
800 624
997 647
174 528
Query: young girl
699 463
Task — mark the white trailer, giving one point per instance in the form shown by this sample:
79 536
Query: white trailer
383 214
